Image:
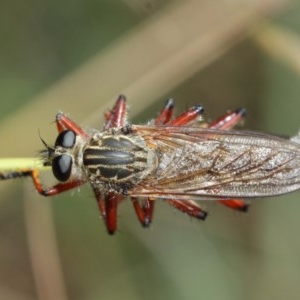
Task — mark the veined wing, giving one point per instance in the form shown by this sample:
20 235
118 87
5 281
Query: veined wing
195 163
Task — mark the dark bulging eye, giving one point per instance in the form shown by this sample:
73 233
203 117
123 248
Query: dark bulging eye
62 166
66 139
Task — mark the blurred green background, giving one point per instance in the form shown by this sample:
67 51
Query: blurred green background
78 56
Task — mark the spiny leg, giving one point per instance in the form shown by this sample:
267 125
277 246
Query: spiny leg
116 117
189 207
143 211
108 206
228 120
34 174
166 113
187 117
236 204
111 205
65 123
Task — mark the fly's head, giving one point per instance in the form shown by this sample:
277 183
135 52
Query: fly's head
64 157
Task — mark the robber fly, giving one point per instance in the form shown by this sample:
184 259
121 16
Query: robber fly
174 159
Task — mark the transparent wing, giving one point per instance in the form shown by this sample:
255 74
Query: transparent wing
195 163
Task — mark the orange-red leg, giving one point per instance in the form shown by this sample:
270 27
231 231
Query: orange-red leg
111 205
236 204
34 174
166 113
228 120
116 117
143 211
189 207
64 123
187 117
108 207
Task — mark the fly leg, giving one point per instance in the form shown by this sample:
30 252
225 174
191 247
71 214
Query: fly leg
34 174
236 204
108 206
188 117
189 207
143 211
65 123
166 113
116 117
228 120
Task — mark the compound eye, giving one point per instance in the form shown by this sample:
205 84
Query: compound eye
66 139
62 166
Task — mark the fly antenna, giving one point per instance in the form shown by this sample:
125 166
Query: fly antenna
49 151
43 141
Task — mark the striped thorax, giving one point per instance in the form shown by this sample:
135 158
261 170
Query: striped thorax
116 161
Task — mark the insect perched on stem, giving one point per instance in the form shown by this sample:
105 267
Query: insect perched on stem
174 159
